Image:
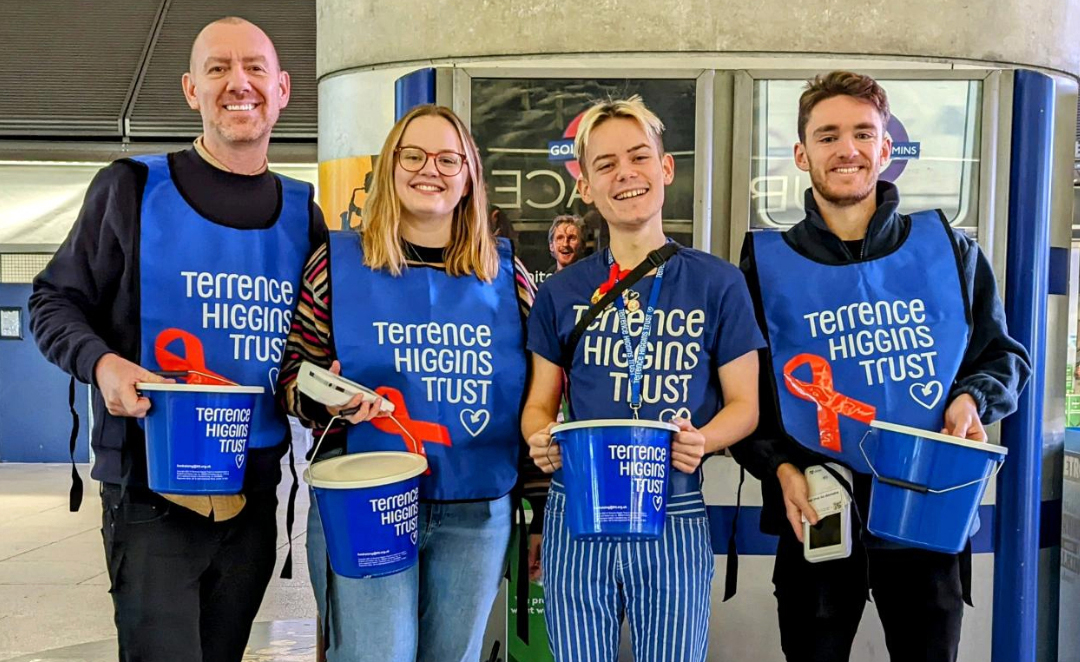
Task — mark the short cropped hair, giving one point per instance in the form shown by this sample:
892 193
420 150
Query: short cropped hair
633 108
841 83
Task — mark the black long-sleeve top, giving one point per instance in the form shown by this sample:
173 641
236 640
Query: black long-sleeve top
85 303
994 370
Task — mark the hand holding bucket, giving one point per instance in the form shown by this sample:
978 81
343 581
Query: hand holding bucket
687 446
544 450
962 419
927 486
616 473
116 378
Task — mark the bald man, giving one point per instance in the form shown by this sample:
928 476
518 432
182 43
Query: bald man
164 243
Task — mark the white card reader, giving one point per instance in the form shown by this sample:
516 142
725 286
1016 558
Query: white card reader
830 538
332 390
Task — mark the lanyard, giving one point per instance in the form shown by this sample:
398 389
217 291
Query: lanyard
635 358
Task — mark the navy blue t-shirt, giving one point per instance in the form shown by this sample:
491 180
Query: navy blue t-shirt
703 320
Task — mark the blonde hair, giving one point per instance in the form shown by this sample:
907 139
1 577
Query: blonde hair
633 108
472 248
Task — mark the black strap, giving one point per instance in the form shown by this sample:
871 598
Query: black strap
327 629
290 513
731 579
858 520
522 593
652 261
965 573
76 493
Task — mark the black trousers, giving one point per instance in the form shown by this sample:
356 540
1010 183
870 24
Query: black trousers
918 595
185 588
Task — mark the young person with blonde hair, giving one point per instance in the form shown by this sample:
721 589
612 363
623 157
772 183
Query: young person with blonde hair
690 359
428 306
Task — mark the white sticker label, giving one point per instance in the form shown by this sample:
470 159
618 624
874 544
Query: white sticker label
827 495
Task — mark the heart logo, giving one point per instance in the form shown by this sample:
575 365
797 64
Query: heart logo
273 375
658 502
927 394
670 413
239 460
474 421
412 537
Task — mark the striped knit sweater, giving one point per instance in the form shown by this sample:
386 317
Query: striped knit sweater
311 339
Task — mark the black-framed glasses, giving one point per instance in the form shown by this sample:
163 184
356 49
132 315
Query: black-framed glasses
413 159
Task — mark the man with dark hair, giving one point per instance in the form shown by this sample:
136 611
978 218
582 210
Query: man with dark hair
145 279
946 364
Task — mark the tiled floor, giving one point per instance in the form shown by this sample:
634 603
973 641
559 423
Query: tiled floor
53 599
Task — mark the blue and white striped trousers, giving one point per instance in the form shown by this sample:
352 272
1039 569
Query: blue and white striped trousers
661 586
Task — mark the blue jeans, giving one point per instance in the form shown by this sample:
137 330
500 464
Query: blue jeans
435 611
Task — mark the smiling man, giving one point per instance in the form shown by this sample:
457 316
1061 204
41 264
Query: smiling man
566 241
679 346
867 310
158 246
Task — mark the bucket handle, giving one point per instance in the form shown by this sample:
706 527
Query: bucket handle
916 487
322 436
318 444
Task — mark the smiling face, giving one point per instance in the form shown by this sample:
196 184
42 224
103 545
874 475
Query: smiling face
236 84
624 174
565 244
844 150
428 194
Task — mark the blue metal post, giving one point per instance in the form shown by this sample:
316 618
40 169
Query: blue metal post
412 90
1019 487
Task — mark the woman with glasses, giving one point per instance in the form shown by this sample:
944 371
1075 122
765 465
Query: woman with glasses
427 306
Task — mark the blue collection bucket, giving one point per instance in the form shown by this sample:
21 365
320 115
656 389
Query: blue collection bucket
616 473
369 505
196 437
927 486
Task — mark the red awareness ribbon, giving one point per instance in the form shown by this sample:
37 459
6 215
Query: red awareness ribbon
614 276
830 404
422 431
193 362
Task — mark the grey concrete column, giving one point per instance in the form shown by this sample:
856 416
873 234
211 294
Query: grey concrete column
364 33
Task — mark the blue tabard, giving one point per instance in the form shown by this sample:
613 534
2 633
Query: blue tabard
220 299
453 348
886 334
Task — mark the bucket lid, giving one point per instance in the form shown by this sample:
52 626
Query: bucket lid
937 436
198 388
365 470
615 423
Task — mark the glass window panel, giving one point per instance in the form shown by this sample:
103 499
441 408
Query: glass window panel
936 128
523 129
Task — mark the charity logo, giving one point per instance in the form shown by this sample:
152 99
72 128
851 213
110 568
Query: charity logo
474 421
831 405
928 394
414 433
887 342
670 413
562 151
452 364
903 150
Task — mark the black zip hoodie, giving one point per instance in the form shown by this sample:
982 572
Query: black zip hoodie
994 370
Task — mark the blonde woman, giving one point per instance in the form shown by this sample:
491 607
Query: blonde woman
427 302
